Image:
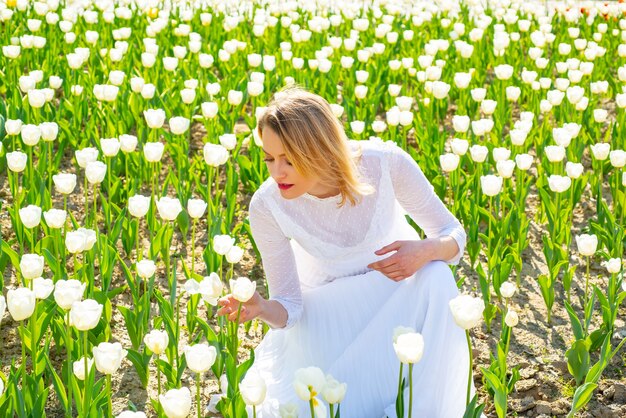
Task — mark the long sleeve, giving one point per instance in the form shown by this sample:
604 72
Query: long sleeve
417 196
278 260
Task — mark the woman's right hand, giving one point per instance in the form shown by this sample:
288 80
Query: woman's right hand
249 310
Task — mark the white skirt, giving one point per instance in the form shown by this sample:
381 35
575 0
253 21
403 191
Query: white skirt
346 329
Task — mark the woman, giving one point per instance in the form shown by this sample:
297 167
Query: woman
344 267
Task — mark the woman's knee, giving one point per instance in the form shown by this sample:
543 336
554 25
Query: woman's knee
439 278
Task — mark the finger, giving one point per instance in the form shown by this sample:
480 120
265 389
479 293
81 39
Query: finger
387 248
232 316
382 264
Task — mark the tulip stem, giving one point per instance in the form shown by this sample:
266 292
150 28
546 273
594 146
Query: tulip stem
85 395
32 321
311 408
95 201
410 389
86 199
108 377
69 364
332 410
254 411
23 355
198 395
469 376
193 247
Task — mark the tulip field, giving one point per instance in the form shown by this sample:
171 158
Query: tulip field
129 154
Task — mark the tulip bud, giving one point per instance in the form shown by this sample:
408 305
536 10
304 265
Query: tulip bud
85 315
85 156
31 266
78 367
242 288
31 134
511 319
467 311
222 244
66 292
449 162
196 208
138 205
409 347
154 117
42 287
168 208
30 216
253 389
308 382
108 357
55 218
176 403
179 125
559 184
110 146
334 392
95 172
587 244
491 185
156 341
64 182
128 143
153 151
507 289
200 357
228 141
234 254
21 303
215 155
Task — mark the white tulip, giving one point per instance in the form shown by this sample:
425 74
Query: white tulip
449 162
253 389
600 151
66 292
559 184
55 218
169 208
467 311
156 341
215 154
85 156
618 158
108 357
234 254
110 146
200 357
153 151
507 289
31 266
179 125
242 288
21 303
30 216
409 347
145 268
574 170
308 382
78 367
613 265
154 117
138 205
228 141
511 318
554 153
176 403
479 153
95 172
587 244
490 184
85 315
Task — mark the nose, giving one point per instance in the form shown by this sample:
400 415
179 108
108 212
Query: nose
279 171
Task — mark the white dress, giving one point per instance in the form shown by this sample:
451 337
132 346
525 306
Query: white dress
341 314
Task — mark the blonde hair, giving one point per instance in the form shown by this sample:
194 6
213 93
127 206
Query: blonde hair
314 140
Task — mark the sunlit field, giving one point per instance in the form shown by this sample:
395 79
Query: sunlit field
129 155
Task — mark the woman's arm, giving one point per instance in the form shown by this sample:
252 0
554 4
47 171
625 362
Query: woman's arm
284 307
417 196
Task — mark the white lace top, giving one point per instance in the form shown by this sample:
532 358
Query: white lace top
308 241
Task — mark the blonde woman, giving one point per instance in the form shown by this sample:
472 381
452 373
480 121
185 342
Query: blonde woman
345 268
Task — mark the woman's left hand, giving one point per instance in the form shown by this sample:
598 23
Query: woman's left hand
409 257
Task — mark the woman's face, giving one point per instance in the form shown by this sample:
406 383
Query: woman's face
290 183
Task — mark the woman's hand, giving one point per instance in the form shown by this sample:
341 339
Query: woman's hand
409 257
249 310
